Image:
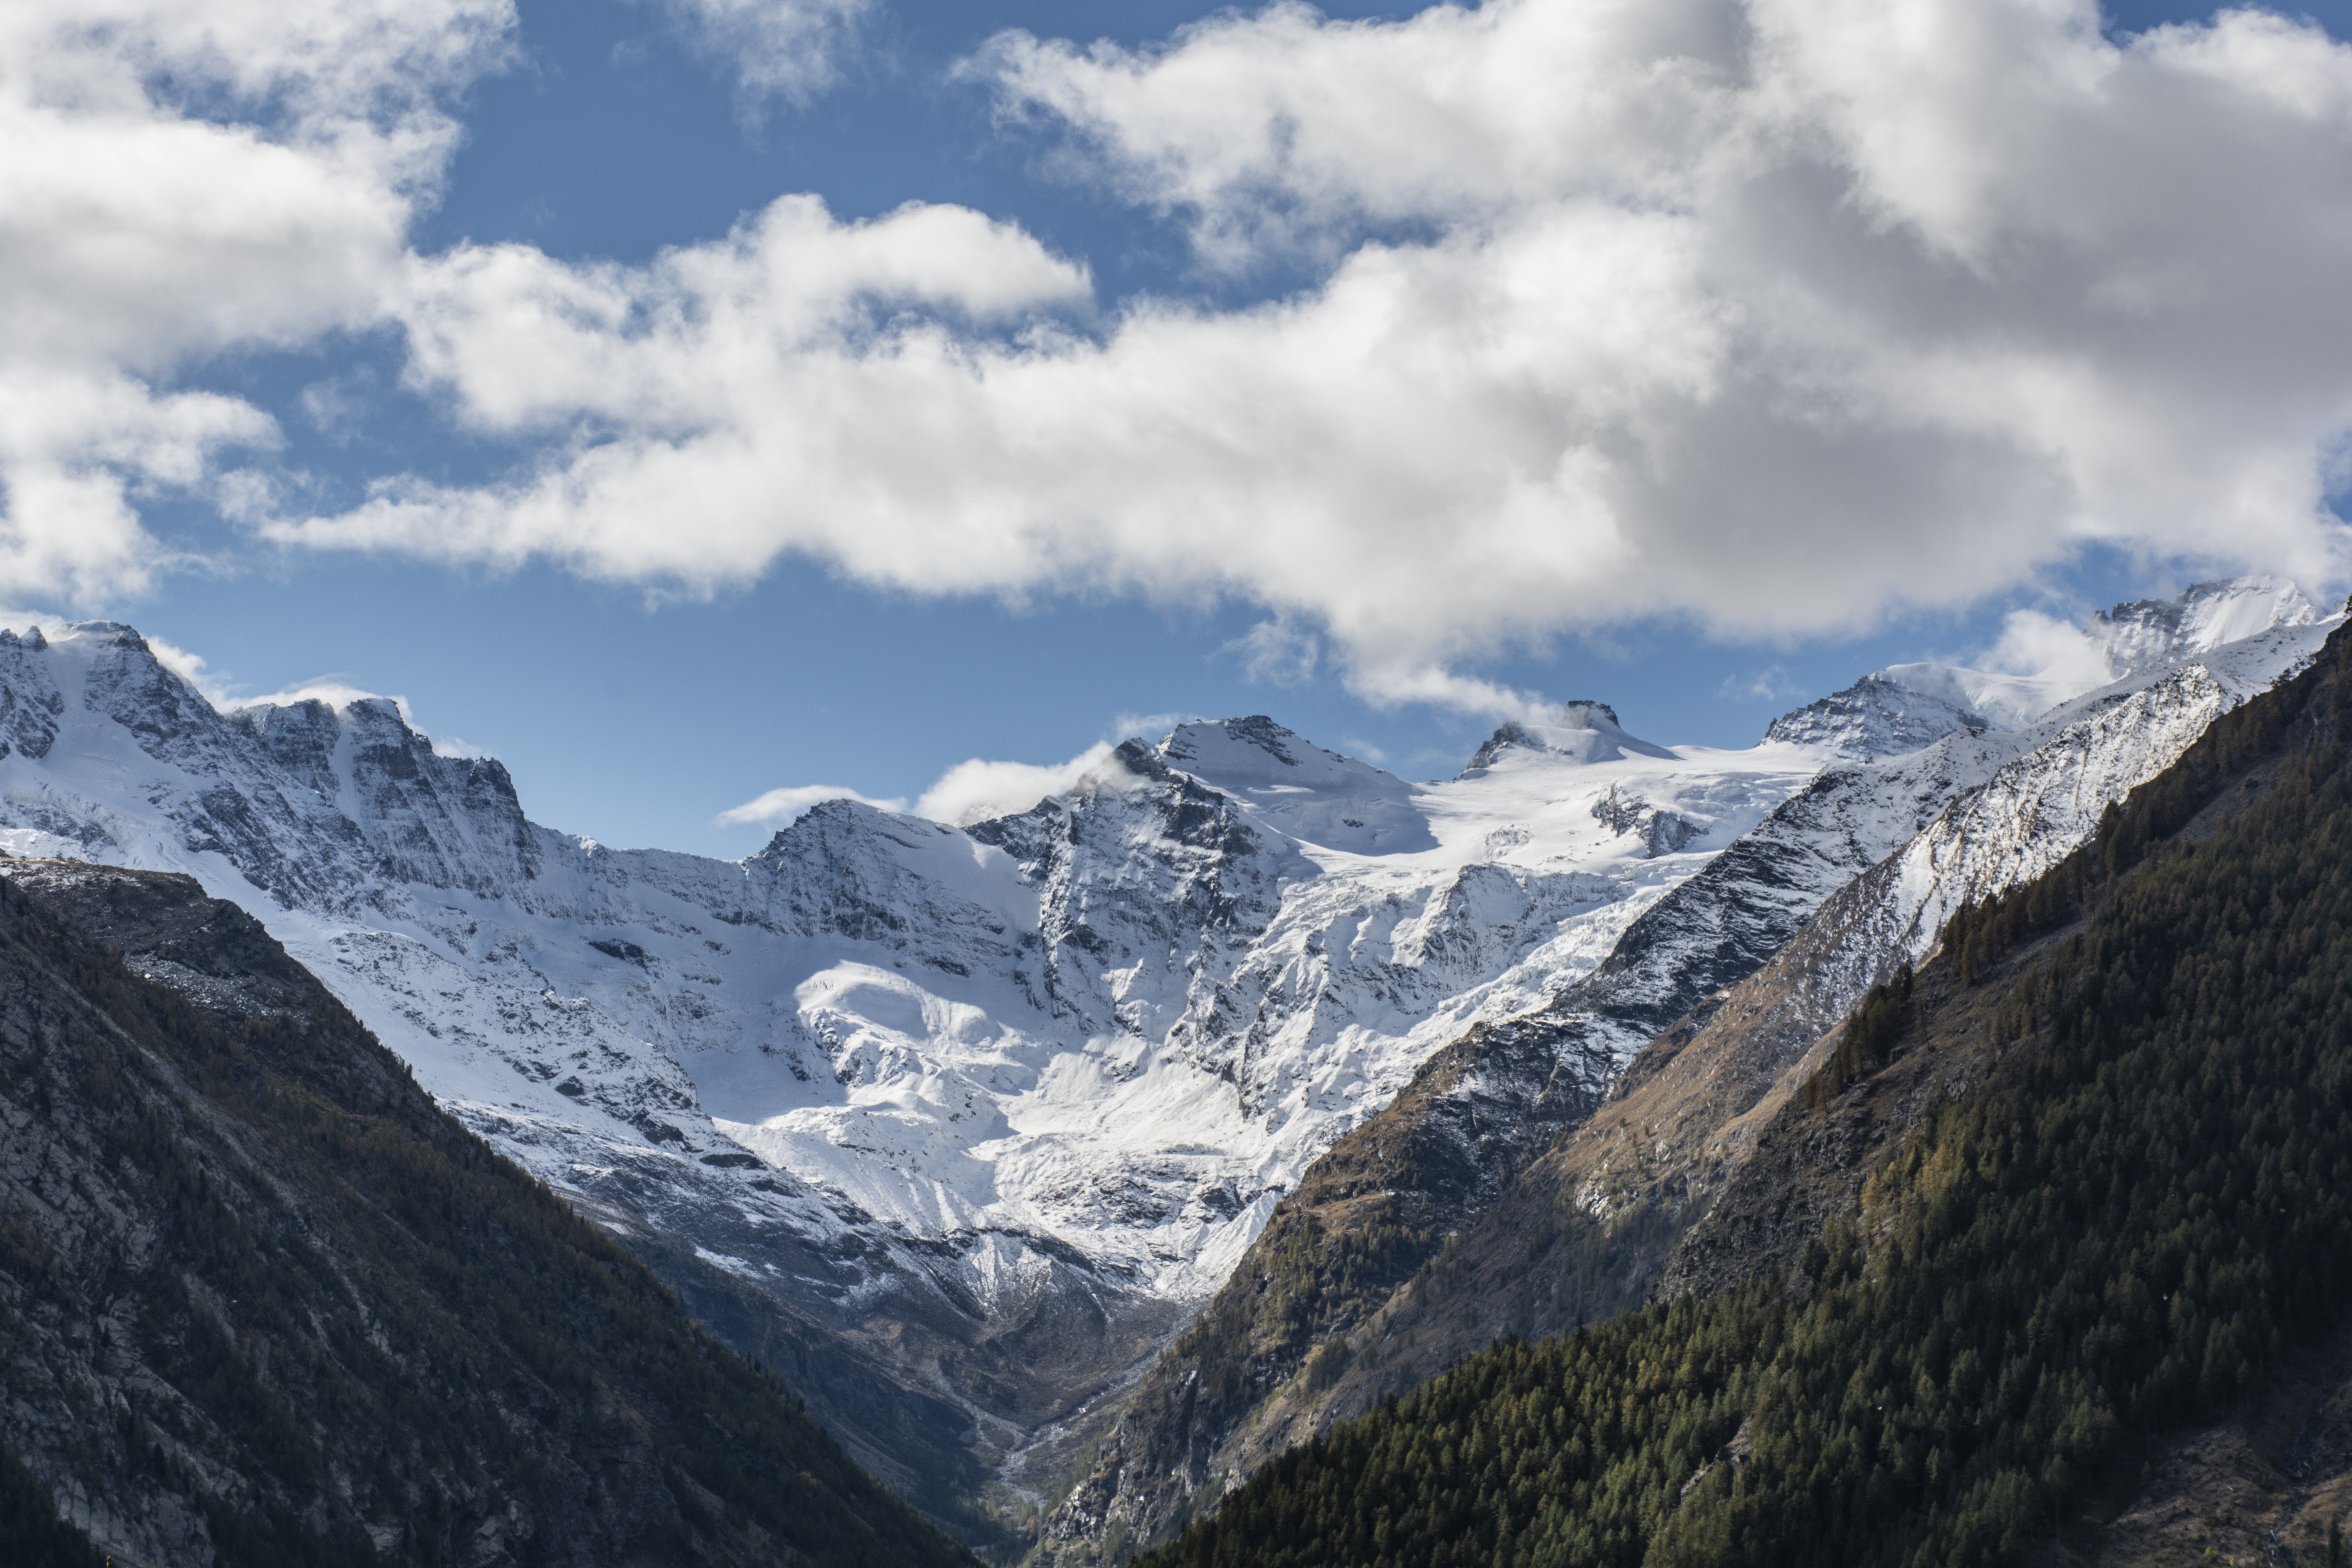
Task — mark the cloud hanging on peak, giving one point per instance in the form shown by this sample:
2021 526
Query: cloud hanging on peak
972 791
196 670
780 807
2047 648
977 790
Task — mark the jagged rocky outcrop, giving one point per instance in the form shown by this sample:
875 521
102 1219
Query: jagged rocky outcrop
1877 716
260 1301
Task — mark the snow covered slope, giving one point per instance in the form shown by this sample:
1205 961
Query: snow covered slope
1979 810
1000 1103
1907 706
1880 850
890 1070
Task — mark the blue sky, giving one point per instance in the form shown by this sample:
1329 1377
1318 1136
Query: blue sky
635 708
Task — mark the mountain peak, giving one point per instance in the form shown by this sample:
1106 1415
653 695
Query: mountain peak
1298 788
1905 707
2144 633
1588 732
1884 714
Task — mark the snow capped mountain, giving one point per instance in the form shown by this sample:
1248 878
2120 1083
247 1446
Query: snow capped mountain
1881 849
2035 809
1905 707
1977 811
999 1104
889 1070
1313 795
1588 732
2149 633
1880 715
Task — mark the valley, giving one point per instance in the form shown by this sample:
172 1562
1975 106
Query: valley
996 1137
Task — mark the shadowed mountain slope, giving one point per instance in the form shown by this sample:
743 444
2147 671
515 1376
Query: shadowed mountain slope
261 1302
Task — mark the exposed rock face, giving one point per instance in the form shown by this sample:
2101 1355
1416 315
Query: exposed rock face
261 1300
1875 717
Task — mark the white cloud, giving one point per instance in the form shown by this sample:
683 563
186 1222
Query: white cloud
1777 319
194 669
791 49
2052 651
1149 727
1287 131
778 807
139 236
1774 318
975 791
221 691
972 791
1278 651
333 691
1771 684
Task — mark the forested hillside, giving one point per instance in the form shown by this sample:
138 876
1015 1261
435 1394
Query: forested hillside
261 1303
2113 1188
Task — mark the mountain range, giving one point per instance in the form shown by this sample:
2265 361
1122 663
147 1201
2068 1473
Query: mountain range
993 1137
2040 1256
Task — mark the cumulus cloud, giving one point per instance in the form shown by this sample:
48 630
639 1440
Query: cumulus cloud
778 807
1775 317
184 180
